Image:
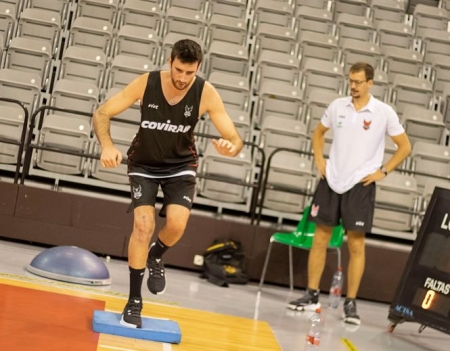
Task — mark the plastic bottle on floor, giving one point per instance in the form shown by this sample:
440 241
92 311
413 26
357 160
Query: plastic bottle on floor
314 332
336 289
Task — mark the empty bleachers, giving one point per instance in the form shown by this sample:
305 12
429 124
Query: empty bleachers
269 59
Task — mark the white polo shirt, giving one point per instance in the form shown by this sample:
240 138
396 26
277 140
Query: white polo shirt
358 140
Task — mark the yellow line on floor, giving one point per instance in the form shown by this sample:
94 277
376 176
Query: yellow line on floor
349 345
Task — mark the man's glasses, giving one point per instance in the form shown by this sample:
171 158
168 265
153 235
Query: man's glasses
356 82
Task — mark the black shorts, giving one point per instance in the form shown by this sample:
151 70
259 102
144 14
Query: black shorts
355 207
178 190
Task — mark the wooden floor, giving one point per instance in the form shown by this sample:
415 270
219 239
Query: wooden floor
201 331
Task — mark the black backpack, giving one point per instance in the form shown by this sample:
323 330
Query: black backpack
224 263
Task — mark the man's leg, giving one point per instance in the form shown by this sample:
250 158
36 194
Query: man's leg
357 217
143 228
355 272
173 230
325 213
356 247
316 264
317 255
170 233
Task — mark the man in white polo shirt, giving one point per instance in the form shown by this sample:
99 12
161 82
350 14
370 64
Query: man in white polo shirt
347 187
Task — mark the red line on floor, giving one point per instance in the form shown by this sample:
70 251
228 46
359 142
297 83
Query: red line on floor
33 320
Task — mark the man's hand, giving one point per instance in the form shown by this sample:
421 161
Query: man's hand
374 177
111 157
224 147
321 166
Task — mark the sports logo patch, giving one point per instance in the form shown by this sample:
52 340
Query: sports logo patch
188 111
314 210
137 192
367 124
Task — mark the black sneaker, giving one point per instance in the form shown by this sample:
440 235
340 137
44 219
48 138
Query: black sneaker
308 302
131 316
350 315
156 282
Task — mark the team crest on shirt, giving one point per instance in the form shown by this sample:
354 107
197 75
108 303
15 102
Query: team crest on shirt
366 124
187 111
314 210
137 192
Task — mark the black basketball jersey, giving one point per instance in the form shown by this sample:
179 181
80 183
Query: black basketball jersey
165 145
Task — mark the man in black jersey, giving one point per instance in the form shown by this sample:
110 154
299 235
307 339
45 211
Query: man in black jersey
163 154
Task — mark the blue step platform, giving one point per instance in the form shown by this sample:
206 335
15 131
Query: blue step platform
153 329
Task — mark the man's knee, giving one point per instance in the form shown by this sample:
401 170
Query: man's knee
144 223
144 227
175 226
176 220
322 236
356 243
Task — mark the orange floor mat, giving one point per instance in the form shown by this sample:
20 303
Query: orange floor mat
38 320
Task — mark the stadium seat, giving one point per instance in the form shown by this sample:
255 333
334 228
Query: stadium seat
409 90
317 45
290 183
396 203
431 161
278 99
423 124
143 14
320 74
313 19
105 10
277 67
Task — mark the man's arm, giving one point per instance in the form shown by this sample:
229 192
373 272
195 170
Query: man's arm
231 143
111 156
403 150
318 141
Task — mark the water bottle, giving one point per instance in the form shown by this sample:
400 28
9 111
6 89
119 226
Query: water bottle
315 329
336 288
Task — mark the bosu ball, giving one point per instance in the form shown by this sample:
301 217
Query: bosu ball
70 264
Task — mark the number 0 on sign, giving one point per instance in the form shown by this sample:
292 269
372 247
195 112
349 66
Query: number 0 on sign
423 294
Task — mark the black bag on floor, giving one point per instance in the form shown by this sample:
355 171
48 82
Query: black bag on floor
224 263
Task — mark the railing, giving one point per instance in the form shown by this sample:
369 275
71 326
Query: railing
22 138
37 121
275 186
259 187
29 145
256 187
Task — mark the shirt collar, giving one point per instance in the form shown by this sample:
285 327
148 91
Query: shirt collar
370 104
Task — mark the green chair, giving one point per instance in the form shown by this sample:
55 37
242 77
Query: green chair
302 238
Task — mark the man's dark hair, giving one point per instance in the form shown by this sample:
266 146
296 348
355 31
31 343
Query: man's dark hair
187 51
363 66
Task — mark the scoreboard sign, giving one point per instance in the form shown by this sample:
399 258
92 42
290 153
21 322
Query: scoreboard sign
423 294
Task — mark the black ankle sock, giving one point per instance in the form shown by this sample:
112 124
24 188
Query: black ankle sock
314 292
158 249
136 278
